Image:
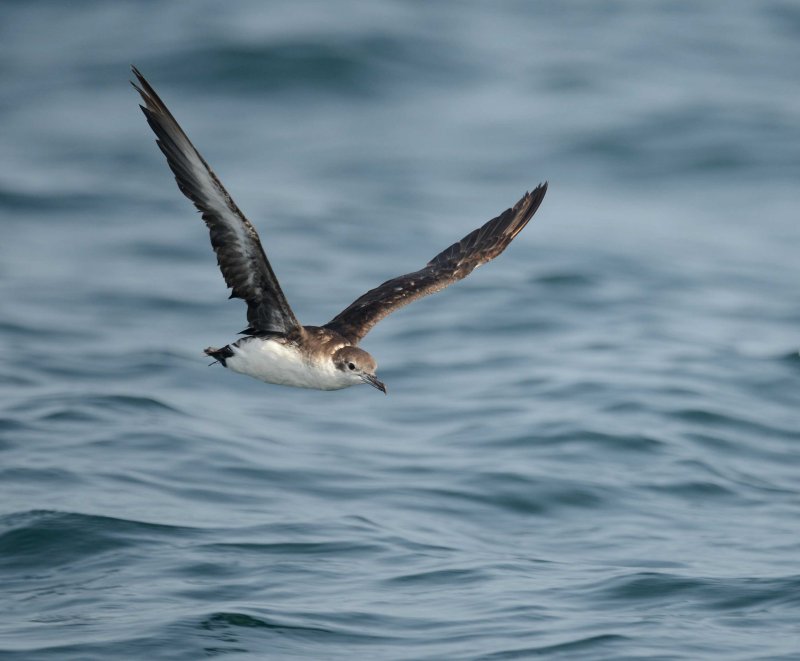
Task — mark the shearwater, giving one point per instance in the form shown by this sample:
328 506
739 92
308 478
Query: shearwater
275 347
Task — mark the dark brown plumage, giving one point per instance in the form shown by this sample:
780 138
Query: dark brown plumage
239 252
247 272
449 266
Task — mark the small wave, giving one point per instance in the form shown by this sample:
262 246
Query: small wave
591 645
77 408
627 443
566 279
297 549
20 201
736 422
305 627
47 539
439 577
792 359
43 539
539 495
233 619
14 330
277 66
713 594
695 490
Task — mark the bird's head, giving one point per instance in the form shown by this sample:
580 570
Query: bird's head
358 366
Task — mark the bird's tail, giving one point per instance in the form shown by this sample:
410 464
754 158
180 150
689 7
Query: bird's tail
220 355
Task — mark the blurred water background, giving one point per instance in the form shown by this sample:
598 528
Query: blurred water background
590 448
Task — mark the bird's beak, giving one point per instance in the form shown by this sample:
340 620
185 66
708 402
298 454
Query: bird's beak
372 380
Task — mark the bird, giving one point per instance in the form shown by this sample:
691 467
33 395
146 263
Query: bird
275 347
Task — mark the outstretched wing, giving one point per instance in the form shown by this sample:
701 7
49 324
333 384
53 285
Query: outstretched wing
235 241
449 266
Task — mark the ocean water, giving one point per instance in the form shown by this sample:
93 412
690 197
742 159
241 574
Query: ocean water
590 448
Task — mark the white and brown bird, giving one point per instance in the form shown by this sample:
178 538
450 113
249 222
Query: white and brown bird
276 348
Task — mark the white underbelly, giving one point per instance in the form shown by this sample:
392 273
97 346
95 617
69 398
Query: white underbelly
275 362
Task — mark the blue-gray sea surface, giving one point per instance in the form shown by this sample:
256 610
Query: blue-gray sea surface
590 448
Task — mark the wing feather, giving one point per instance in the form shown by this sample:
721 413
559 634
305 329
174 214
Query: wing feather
240 255
449 266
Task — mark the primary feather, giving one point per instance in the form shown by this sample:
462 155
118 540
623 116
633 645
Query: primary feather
449 266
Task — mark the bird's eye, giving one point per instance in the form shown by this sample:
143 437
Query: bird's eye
351 366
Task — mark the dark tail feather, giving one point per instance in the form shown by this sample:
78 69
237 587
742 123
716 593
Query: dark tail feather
221 355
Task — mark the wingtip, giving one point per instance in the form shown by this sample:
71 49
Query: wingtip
537 195
531 200
138 76
141 86
541 189
144 88
524 210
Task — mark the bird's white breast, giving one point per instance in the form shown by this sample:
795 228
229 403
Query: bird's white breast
275 362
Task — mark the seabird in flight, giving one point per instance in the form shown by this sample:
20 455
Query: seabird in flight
276 348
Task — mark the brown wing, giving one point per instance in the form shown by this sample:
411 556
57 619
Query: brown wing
239 252
449 266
